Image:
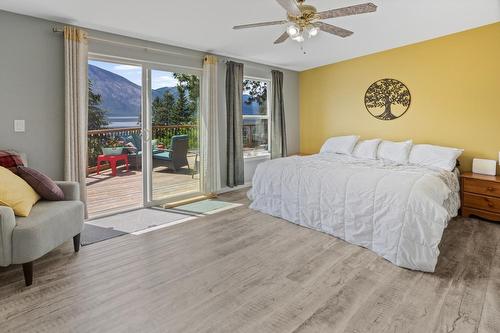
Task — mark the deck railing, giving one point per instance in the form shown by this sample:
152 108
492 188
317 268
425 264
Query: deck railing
163 133
252 139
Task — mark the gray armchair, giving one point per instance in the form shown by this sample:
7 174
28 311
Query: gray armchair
50 223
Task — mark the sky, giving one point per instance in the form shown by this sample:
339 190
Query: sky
159 79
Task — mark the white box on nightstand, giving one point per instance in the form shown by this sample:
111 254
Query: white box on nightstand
484 167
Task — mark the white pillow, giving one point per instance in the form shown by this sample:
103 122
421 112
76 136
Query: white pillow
366 149
340 144
435 156
395 151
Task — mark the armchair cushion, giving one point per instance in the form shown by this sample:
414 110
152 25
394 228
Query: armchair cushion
7 225
131 148
135 140
50 224
71 190
41 183
165 155
16 193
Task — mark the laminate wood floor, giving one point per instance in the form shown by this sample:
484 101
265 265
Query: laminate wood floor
242 271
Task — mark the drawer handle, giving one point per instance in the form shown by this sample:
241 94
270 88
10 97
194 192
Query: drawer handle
490 204
491 189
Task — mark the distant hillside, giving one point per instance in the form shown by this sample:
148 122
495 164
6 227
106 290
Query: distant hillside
161 91
122 98
119 96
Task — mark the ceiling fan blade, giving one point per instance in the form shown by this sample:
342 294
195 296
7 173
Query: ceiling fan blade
256 25
334 30
347 11
281 38
290 6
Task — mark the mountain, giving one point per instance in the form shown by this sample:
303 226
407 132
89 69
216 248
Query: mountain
122 98
119 96
161 91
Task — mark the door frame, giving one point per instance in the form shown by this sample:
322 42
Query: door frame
146 119
147 156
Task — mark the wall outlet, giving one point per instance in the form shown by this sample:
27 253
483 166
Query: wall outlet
19 126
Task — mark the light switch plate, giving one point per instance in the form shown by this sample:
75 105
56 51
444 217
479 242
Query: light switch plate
19 126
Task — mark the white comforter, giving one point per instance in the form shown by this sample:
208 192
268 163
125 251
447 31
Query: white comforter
399 212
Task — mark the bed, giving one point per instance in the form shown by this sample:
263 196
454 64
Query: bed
397 211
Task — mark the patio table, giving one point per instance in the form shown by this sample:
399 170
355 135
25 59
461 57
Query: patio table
112 159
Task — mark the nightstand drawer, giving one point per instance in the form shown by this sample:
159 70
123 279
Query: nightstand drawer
481 187
482 202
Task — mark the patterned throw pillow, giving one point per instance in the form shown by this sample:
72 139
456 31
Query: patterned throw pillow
10 160
41 183
131 149
16 193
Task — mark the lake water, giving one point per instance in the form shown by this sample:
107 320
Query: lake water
118 122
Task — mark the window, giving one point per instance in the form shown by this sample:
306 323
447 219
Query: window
256 119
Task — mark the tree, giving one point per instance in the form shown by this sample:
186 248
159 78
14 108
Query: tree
183 109
96 116
163 109
181 114
191 84
385 93
256 91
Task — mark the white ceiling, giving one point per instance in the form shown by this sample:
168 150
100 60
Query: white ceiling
207 25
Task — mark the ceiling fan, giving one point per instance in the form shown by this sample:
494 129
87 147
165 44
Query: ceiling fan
305 20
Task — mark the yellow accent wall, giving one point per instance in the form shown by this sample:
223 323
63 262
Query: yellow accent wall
455 88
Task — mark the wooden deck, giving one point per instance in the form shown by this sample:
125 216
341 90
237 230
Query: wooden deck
107 194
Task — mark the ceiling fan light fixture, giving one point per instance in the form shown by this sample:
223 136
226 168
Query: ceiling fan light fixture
312 31
293 31
299 38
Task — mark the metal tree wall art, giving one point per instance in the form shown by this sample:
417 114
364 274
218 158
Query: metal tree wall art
387 99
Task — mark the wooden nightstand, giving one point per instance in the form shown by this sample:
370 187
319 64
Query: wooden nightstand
480 195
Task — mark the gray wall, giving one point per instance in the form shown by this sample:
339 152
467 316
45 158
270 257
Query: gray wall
32 88
31 62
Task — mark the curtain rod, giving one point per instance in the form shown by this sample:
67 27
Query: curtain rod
146 48
223 59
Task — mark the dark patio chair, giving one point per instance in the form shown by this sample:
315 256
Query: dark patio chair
175 157
135 155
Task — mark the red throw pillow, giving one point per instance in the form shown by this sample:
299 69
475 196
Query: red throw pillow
10 160
41 183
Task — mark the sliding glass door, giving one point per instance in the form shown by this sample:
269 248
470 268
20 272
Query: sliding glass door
114 168
174 98
143 144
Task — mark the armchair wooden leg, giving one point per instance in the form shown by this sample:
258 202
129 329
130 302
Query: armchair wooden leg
76 243
28 273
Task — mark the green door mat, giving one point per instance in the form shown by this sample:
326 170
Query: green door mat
205 207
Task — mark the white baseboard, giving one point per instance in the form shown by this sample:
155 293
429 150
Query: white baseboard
236 188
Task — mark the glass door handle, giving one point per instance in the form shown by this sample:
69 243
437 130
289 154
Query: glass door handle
146 133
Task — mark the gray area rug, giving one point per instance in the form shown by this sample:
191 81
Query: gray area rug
147 219
139 219
93 234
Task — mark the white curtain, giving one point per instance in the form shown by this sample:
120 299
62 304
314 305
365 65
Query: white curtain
209 128
76 100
